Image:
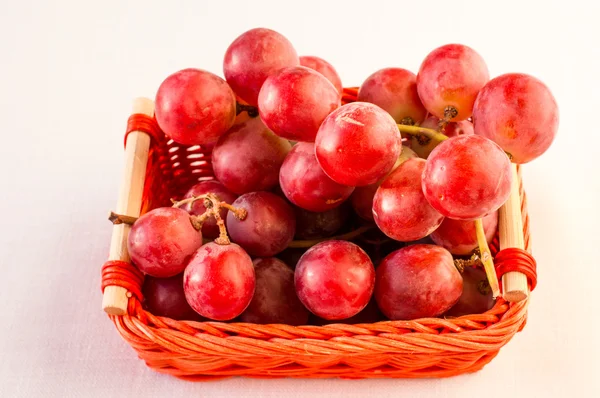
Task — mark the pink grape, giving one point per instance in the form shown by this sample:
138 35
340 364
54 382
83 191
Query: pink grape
476 297
467 177
219 281
519 113
210 230
253 57
418 281
395 91
324 68
399 208
248 157
451 76
311 225
306 185
275 299
294 101
194 107
357 144
269 226
165 297
162 241
460 238
334 279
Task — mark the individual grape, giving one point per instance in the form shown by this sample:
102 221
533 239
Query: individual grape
248 157
451 76
253 57
357 144
467 177
275 299
452 129
334 279
519 113
306 185
362 197
418 281
194 107
324 68
165 297
162 241
210 229
476 297
294 101
311 225
291 256
460 237
369 314
400 209
395 91
219 281
269 226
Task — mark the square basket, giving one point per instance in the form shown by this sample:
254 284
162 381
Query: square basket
157 169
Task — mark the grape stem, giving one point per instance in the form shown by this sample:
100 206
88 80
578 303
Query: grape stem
251 110
424 136
117 219
347 236
486 258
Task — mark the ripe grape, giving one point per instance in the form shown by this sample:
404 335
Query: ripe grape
311 225
476 297
253 57
165 297
267 229
324 68
519 113
334 279
451 76
418 281
395 91
399 208
467 177
306 185
210 229
358 144
459 237
294 101
248 157
194 107
219 281
275 299
362 197
162 241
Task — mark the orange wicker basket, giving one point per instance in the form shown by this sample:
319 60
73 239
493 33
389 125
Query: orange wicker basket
158 169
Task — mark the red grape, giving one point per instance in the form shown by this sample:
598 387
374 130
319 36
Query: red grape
165 297
451 76
194 107
477 295
459 237
369 314
362 197
294 101
334 279
254 56
467 177
324 68
358 144
210 229
519 113
418 281
219 281
305 184
399 208
248 157
267 229
395 91
161 241
275 299
311 225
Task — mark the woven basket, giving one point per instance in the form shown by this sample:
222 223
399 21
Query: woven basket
158 169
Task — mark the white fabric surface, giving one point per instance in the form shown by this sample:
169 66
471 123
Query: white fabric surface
69 71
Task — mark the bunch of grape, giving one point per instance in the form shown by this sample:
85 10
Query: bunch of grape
399 175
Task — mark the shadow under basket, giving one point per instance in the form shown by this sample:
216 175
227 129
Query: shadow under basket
157 169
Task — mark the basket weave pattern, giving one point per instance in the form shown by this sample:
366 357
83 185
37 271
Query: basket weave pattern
430 347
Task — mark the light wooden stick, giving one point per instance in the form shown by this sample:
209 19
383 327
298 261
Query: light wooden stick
511 235
114 301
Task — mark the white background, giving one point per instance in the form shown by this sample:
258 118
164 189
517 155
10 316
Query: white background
68 73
